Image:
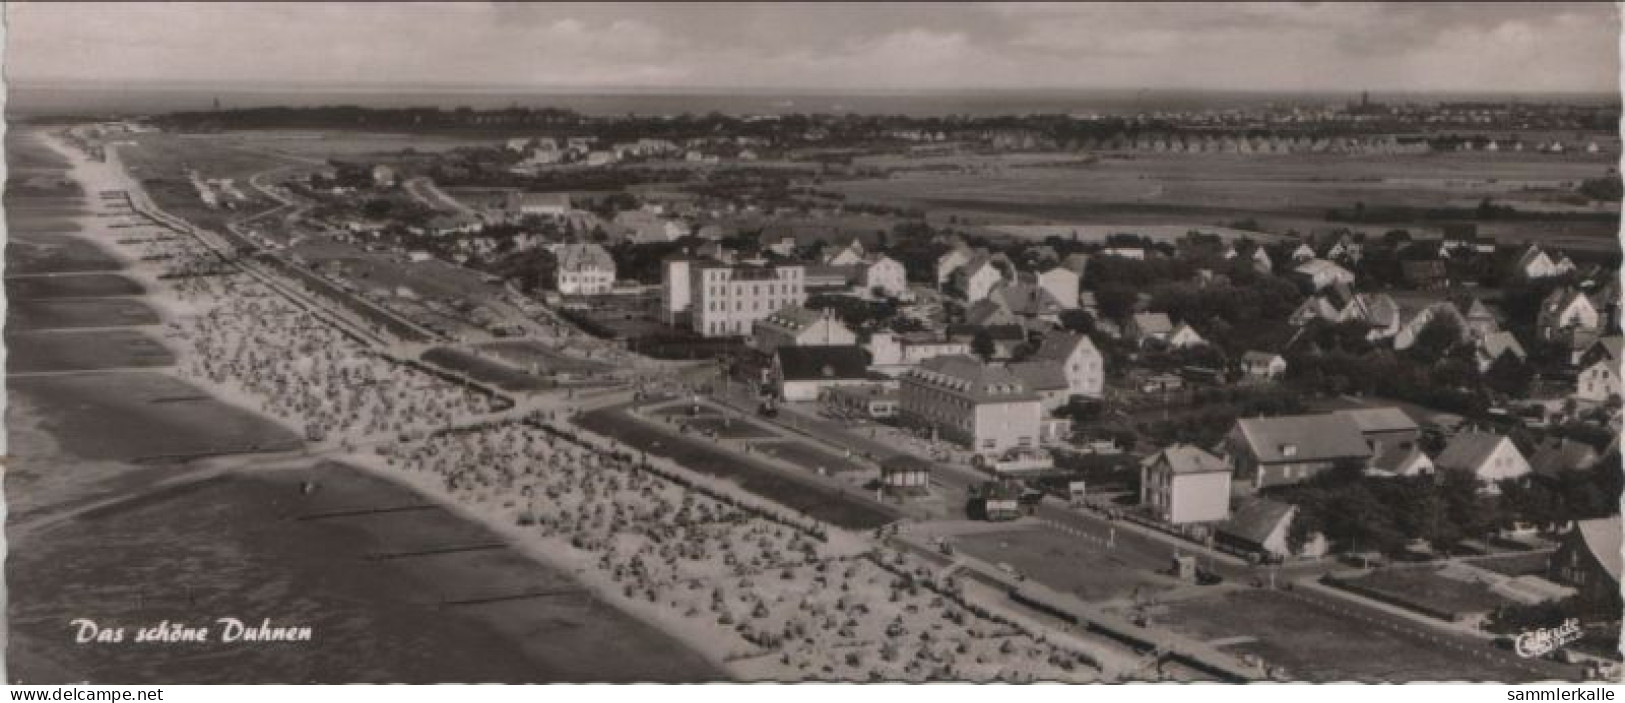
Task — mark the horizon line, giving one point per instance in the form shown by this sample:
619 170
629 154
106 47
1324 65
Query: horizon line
557 89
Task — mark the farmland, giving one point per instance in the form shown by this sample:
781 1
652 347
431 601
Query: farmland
1277 191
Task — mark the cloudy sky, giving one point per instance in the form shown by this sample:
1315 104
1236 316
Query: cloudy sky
1492 47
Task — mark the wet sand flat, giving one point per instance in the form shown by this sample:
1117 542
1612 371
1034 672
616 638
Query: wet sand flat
142 415
29 352
88 285
29 315
373 619
33 253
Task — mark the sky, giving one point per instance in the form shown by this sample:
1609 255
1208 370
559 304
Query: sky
1267 47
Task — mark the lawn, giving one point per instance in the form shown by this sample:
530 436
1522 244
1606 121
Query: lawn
484 370
814 459
821 502
729 428
1316 643
1424 587
1070 565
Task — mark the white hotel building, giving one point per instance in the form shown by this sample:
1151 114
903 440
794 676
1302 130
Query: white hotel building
727 300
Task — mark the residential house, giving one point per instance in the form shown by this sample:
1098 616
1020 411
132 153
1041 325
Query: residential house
1080 362
1272 451
1321 273
800 327
1481 321
1046 379
802 373
1496 345
1604 348
538 204
976 279
1263 365
1408 332
1027 301
643 227
1488 456
878 273
1303 253
892 353
1598 383
1535 263
1062 283
584 269
1146 326
983 407
1401 460
951 261
1384 428
1425 274
850 255
1589 560
1565 310
1264 527
1558 454
1183 485
1184 337
383 176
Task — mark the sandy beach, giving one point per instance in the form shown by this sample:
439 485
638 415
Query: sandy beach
120 511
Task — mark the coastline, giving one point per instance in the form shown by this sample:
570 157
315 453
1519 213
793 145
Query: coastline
31 427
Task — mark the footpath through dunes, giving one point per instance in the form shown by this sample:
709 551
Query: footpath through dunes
393 589
136 495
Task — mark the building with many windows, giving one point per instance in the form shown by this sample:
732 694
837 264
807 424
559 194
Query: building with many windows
986 408
727 300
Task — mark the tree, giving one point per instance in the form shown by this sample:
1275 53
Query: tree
1079 321
1116 301
1438 337
1509 375
982 345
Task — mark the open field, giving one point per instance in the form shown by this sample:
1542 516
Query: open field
814 459
817 501
90 285
315 144
1061 561
143 415
1430 592
1316 643
79 351
528 353
1278 191
484 370
70 313
728 427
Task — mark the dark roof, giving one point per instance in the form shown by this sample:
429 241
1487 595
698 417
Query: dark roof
1555 455
1468 450
1389 419
1253 521
1316 438
822 363
1041 375
1603 537
905 462
1189 459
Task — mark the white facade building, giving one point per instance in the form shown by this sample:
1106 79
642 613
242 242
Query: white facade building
728 300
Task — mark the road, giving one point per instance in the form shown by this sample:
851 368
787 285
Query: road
424 190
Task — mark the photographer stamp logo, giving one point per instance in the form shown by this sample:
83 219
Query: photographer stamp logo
225 630
1539 643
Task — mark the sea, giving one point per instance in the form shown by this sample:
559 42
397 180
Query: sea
117 99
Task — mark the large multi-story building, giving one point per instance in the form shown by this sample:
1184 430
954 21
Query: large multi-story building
675 289
726 300
984 407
